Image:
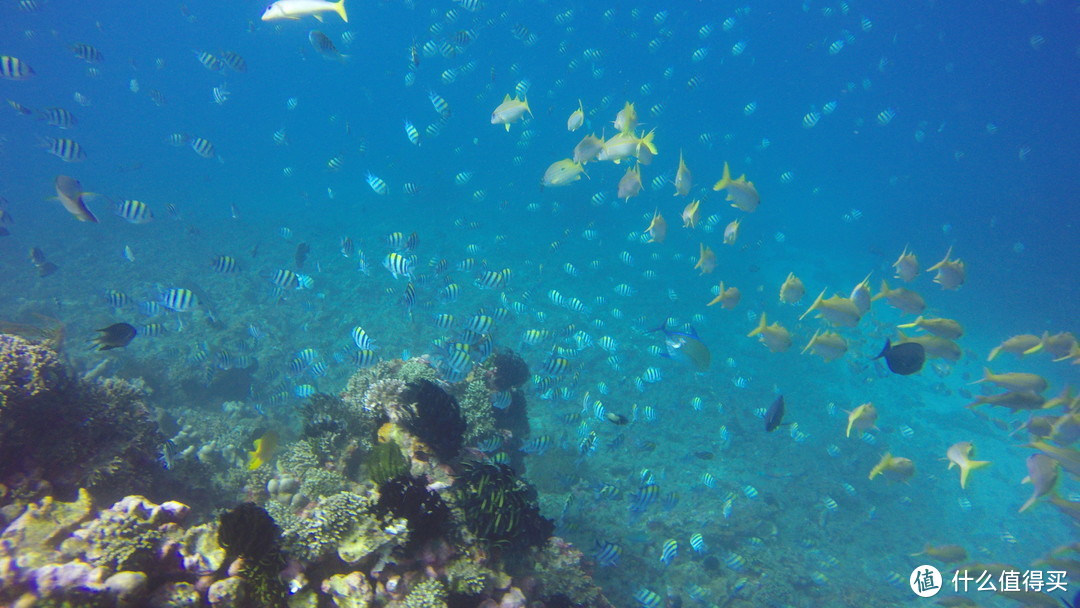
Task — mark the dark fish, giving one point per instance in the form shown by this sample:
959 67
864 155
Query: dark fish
904 359
44 266
301 254
117 335
324 45
774 416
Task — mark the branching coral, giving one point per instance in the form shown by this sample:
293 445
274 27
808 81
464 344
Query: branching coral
319 532
428 594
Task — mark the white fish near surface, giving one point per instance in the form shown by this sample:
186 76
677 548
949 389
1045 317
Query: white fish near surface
295 9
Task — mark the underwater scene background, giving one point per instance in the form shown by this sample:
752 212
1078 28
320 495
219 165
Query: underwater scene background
316 312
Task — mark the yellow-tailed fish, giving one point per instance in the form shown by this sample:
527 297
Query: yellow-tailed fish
740 193
959 455
295 9
511 110
683 180
577 118
562 173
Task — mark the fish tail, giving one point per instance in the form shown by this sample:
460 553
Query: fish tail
888 345
914 323
815 304
807 347
339 8
760 328
988 376
994 353
968 467
725 180
647 141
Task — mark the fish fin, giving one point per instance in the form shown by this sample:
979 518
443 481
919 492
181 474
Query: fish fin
339 8
888 345
760 328
507 125
815 304
318 17
808 344
725 180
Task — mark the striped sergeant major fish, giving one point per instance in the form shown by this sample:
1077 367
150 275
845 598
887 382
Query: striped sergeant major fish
202 147
13 68
398 265
179 299
134 212
66 150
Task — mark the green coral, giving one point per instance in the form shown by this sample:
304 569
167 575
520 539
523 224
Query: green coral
386 462
476 409
428 594
326 526
320 482
416 369
465 577
557 570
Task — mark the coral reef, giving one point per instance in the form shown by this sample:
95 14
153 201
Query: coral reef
369 508
59 433
500 508
249 533
434 416
428 594
409 498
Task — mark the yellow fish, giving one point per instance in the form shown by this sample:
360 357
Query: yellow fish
1015 381
949 554
510 111
829 345
861 418
894 468
959 454
935 347
942 328
951 274
727 298
562 172
731 232
860 295
626 145
706 259
837 310
1017 345
577 118
907 266
741 193
792 290
630 184
626 119
1058 345
588 148
691 215
657 228
265 447
902 298
775 337
683 180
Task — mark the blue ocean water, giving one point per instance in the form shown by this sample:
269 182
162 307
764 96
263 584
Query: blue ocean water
934 126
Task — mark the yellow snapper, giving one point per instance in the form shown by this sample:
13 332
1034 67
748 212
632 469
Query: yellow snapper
562 173
691 215
894 468
626 119
907 266
727 298
510 111
577 118
630 184
588 148
959 455
829 345
657 229
740 193
941 327
683 180
295 9
792 290
706 259
950 273
625 145
837 310
775 337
